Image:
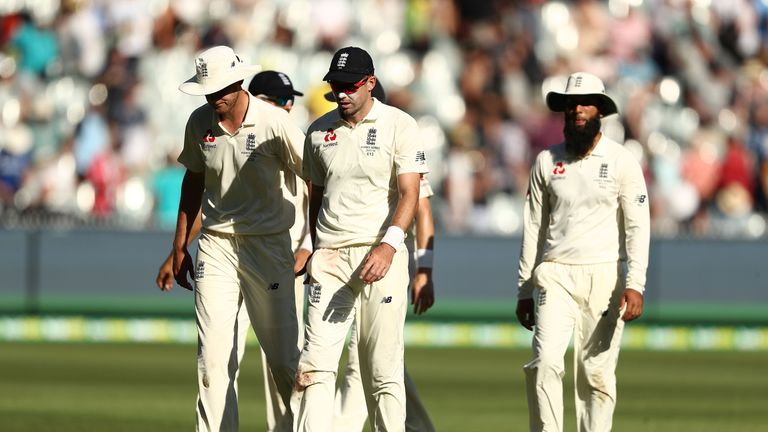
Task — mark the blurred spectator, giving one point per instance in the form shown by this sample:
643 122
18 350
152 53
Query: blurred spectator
36 45
685 74
166 186
106 174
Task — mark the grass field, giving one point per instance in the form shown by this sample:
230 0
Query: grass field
130 387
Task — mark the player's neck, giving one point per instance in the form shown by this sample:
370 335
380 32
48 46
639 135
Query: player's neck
357 117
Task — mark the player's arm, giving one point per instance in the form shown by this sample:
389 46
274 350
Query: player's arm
377 262
189 207
422 288
535 225
633 199
302 254
164 278
315 202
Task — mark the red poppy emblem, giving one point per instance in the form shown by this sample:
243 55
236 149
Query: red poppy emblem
209 138
330 135
559 169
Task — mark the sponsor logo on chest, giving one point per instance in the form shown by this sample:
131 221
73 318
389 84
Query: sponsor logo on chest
558 173
209 141
329 139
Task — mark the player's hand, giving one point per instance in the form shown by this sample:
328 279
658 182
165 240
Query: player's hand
377 262
525 313
182 266
422 291
300 261
164 279
633 301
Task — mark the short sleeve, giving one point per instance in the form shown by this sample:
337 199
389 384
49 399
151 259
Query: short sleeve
409 152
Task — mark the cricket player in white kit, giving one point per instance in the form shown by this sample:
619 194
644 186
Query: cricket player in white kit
351 411
585 250
364 160
277 89
238 149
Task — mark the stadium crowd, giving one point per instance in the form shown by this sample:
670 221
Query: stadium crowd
91 118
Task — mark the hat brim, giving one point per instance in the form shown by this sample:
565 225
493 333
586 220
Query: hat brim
345 77
280 92
556 102
194 88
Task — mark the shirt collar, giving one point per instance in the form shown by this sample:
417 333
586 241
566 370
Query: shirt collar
372 115
599 149
251 115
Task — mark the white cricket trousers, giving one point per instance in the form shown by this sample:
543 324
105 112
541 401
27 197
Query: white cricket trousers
579 301
233 271
336 297
276 409
350 410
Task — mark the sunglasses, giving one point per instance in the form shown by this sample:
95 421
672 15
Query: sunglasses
280 101
347 88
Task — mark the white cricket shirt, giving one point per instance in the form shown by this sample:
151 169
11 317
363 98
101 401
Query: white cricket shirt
300 195
244 171
586 211
358 168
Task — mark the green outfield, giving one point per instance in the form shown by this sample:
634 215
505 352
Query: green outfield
129 387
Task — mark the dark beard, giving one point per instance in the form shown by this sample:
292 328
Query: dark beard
578 140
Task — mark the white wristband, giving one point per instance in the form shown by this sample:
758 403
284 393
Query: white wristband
395 236
424 258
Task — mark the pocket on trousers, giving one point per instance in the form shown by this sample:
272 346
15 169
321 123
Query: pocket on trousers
537 274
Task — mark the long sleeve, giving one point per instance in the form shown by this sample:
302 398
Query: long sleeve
535 225
633 199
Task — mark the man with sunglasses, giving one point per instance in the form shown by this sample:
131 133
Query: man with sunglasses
585 251
364 160
238 151
351 411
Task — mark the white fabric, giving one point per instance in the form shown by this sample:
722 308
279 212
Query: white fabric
395 236
276 408
579 301
587 211
215 69
244 170
350 411
233 271
358 168
337 296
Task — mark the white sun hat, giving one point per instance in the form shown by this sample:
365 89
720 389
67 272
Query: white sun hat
216 68
582 83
